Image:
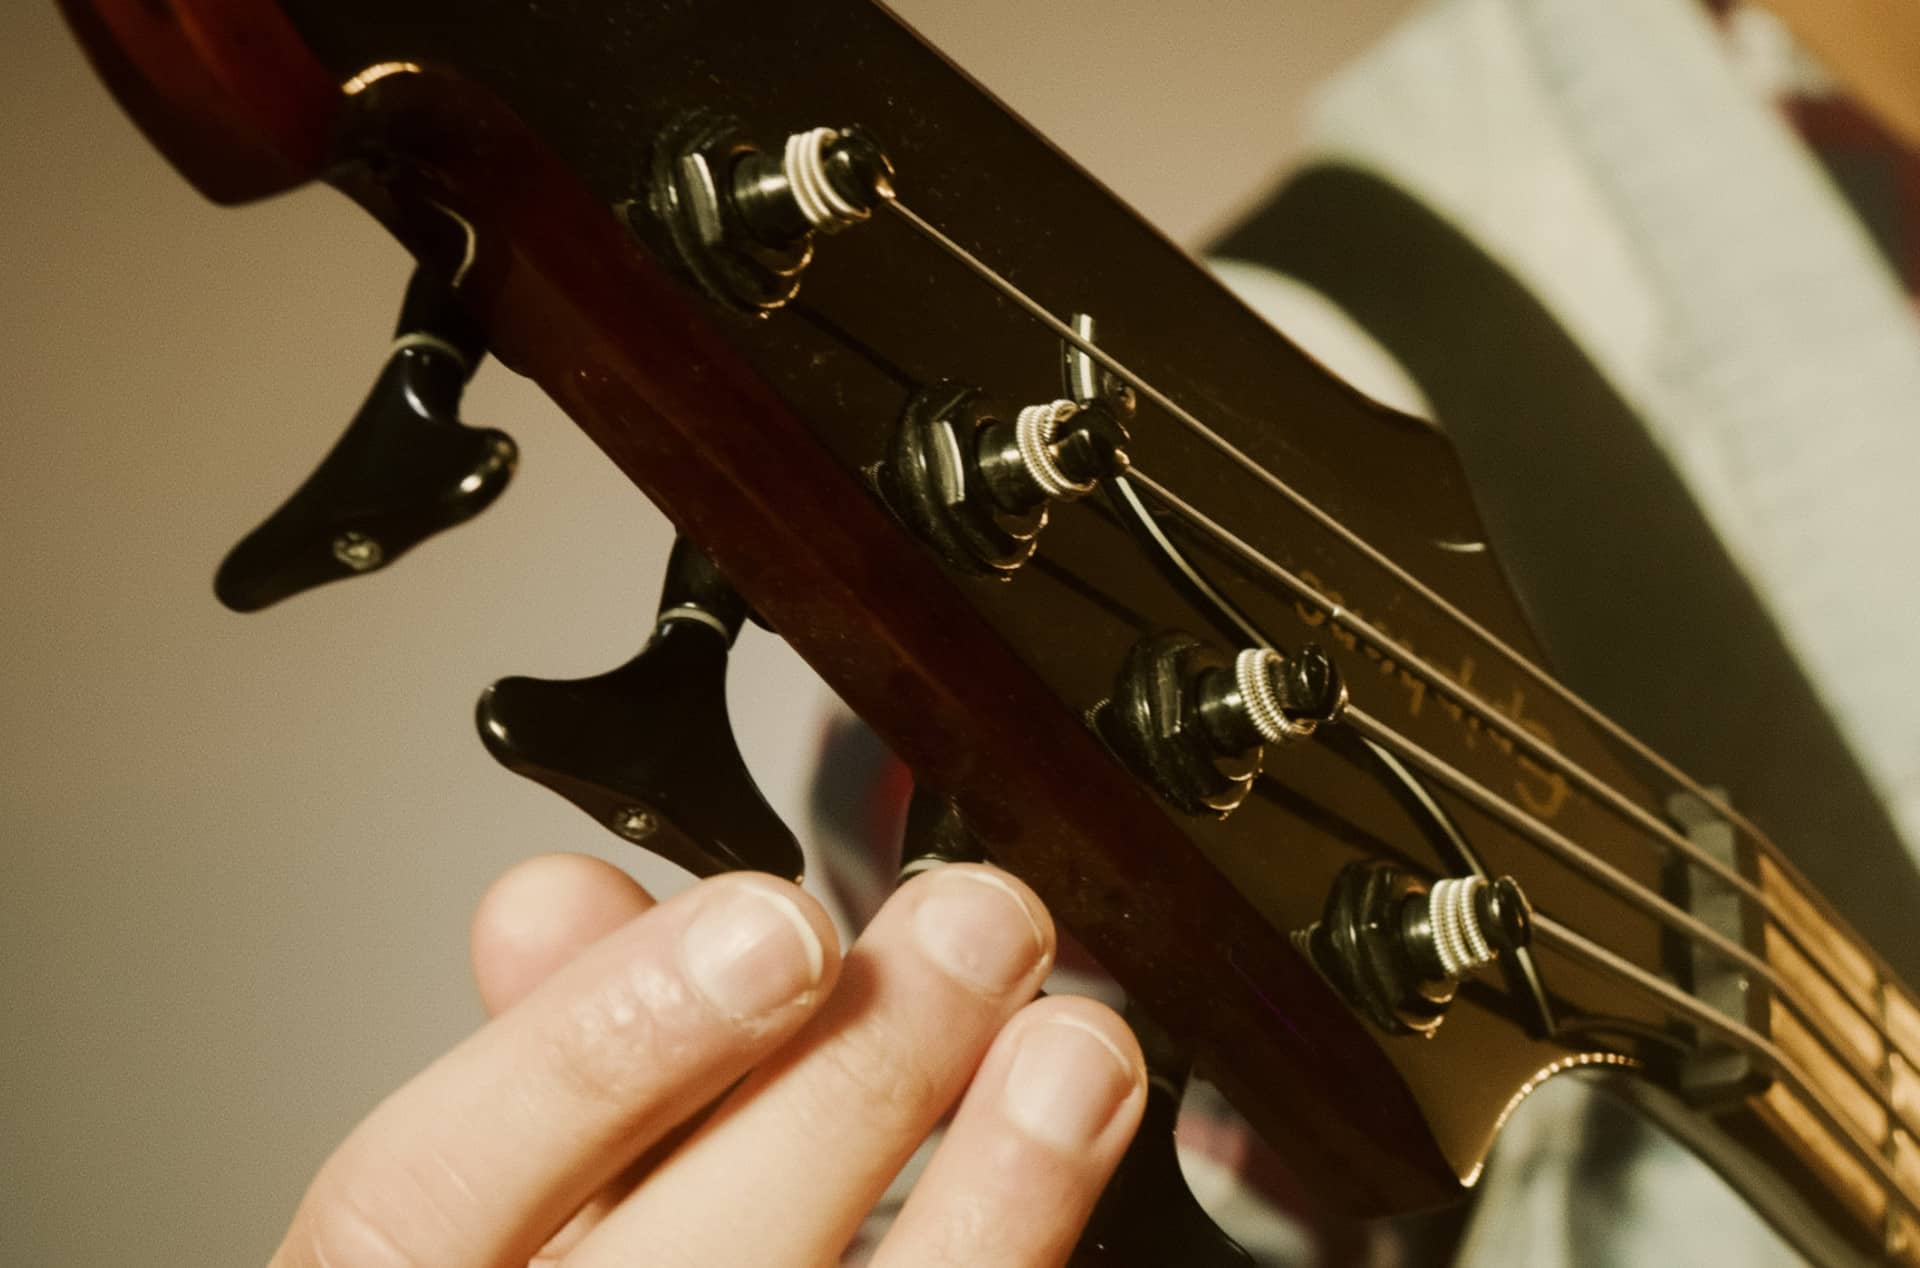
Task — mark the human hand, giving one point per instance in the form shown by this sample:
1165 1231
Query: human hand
570 1129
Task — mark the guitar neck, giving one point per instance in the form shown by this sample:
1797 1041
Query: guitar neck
1874 1022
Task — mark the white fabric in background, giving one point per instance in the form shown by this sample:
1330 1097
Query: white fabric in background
1610 157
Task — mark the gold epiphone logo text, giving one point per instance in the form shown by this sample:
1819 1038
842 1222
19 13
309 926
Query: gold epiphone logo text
1540 791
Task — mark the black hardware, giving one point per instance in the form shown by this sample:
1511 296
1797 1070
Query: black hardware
647 750
762 196
954 475
1374 942
931 482
1148 1214
1090 447
1176 718
405 469
936 833
1713 1072
728 209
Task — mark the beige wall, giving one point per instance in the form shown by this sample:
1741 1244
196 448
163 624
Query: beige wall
239 853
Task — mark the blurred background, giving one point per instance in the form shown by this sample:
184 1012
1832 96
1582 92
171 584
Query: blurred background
240 853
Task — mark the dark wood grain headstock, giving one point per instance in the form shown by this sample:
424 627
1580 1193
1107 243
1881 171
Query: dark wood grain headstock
512 146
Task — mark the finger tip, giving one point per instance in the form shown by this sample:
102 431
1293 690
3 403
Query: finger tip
1041 920
541 913
825 951
1096 1019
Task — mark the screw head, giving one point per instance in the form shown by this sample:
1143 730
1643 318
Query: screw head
358 551
634 824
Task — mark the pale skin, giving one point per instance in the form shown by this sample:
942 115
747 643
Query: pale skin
709 1080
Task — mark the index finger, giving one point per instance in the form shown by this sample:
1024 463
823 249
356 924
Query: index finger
483 1156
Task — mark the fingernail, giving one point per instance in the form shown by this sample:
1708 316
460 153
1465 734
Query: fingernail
751 951
1066 1082
973 925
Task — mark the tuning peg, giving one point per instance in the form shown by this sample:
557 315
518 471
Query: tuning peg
936 834
647 749
405 469
1396 947
1148 1215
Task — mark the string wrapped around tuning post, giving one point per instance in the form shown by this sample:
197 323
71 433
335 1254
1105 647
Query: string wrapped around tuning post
1034 429
1058 451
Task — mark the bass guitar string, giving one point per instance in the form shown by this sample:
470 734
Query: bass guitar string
1540 834
1548 932
1021 300
1612 797
1606 876
1441 681
1391 746
1066 333
1674 1002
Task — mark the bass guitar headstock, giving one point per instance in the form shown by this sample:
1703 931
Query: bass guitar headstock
1198 640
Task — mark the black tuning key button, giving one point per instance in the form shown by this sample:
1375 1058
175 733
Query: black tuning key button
936 835
405 469
1148 1214
647 750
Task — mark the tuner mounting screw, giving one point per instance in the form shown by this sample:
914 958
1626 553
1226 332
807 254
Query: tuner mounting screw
358 552
634 823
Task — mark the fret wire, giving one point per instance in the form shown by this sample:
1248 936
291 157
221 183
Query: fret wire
1548 932
1353 540
1444 683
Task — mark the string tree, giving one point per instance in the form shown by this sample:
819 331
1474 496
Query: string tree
1085 380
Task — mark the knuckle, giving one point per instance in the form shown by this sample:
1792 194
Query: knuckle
609 1049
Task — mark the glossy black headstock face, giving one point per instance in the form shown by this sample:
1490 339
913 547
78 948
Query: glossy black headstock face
986 668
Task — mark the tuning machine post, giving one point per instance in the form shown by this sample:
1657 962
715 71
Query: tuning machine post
742 219
405 469
975 482
1397 948
647 749
1194 723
